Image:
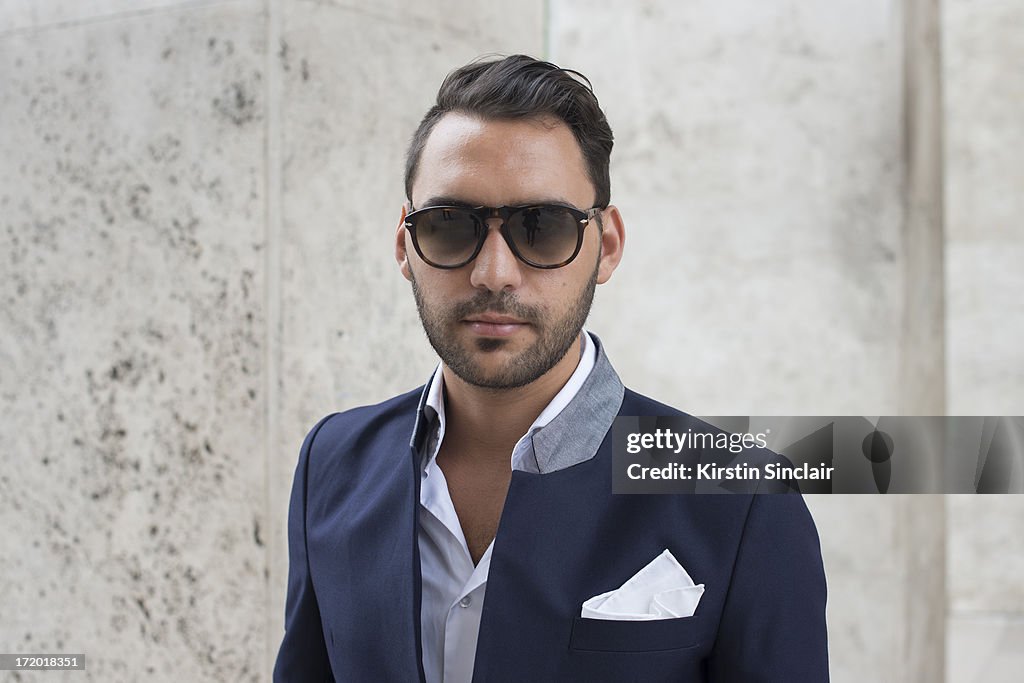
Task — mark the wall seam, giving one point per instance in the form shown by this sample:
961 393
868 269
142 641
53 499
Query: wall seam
272 303
922 342
922 381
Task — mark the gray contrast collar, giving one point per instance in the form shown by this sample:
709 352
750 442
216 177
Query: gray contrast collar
574 435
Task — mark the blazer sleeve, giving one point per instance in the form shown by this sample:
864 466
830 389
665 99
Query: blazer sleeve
303 652
773 622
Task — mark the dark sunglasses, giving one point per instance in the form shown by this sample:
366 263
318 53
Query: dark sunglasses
542 236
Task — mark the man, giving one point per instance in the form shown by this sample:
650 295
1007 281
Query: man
454 533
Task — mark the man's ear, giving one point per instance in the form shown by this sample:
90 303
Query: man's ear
613 239
401 250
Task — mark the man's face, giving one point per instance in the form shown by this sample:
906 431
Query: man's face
497 322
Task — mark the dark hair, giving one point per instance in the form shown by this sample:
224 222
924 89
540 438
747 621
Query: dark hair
523 87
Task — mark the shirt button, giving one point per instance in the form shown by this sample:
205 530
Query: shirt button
466 601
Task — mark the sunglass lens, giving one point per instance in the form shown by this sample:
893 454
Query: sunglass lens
544 235
447 237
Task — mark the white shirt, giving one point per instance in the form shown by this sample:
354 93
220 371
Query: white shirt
453 589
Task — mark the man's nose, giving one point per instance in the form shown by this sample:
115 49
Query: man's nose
496 268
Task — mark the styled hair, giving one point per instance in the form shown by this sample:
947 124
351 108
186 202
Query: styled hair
517 87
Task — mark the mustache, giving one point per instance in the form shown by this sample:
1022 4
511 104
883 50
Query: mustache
503 303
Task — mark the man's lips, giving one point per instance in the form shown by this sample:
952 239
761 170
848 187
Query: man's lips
494 325
495 319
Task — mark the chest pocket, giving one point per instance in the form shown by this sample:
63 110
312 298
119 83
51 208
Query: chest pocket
601 635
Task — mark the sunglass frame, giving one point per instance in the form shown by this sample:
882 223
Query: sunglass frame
482 214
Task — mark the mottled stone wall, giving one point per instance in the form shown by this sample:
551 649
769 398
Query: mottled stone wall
133 174
197 208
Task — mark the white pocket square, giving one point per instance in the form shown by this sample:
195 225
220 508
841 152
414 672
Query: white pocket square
661 590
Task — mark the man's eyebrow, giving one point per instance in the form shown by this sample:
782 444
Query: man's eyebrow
447 201
452 201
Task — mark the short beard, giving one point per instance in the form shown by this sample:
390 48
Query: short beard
550 347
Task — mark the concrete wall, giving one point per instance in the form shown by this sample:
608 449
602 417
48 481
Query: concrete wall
767 156
186 287
132 372
983 45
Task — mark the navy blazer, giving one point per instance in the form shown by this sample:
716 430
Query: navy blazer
353 606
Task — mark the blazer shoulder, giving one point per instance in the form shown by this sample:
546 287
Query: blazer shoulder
355 426
638 404
401 405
